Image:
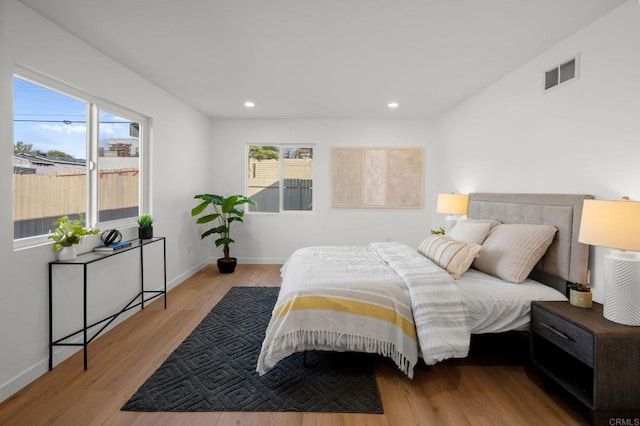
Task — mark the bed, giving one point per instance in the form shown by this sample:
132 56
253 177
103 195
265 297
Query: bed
406 303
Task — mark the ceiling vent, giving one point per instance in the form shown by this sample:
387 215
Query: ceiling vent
567 71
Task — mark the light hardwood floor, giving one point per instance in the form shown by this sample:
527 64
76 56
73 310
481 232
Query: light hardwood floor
495 385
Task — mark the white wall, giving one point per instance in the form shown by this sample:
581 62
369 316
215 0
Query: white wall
511 137
264 238
580 138
179 169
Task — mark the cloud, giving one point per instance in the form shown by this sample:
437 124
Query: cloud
64 128
107 128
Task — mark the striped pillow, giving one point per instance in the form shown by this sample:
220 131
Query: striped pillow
453 256
510 251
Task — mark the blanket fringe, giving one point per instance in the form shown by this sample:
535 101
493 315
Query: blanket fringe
301 340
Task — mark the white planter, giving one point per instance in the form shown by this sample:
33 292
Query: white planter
67 253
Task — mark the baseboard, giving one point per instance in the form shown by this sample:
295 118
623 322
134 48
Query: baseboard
15 384
183 277
261 261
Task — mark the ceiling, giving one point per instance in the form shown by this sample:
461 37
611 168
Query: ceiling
323 58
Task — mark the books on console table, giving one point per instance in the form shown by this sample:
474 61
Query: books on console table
113 247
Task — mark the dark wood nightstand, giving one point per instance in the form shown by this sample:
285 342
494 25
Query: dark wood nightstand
594 359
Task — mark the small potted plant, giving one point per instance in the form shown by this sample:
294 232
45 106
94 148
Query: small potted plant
226 211
145 228
439 231
69 233
580 295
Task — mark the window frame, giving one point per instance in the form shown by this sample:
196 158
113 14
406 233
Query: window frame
94 104
281 147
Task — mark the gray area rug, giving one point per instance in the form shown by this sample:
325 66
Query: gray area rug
214 369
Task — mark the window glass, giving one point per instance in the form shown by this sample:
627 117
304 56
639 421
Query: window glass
297 166
73 155
280 177
118 167
263 183
49 158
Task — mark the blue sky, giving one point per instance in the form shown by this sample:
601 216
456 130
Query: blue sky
49 120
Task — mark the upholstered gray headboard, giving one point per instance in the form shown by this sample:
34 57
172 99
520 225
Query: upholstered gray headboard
566 259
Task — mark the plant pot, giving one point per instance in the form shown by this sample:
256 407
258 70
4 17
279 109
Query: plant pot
145 233
227 266
67 253
581 299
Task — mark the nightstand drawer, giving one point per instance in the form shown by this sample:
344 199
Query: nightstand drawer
566 335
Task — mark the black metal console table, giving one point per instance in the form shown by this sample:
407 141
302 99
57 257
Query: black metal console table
139 300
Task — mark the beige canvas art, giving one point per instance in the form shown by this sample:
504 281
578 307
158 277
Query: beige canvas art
377 177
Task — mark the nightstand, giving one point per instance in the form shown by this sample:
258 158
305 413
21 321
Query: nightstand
595 360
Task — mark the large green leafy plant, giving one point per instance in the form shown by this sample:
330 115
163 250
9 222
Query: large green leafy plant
70 232
226 210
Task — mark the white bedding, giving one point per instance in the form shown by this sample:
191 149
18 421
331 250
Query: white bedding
383 298
496 306
340 298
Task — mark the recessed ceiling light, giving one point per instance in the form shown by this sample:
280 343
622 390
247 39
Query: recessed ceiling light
249 104
393 105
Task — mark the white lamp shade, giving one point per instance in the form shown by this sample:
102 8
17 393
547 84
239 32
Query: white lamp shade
452 204
613 224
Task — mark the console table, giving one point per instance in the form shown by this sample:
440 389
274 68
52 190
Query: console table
84 260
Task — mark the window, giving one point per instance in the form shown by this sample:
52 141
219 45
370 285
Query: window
72 155
118 167
280 177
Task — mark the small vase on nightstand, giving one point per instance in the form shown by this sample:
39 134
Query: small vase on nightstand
579 298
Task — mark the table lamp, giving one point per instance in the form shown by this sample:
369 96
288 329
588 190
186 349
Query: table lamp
454 205
616 224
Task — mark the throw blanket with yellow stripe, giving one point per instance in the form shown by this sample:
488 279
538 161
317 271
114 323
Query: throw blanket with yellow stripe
345 298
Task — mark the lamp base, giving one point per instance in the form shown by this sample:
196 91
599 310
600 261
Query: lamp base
622 289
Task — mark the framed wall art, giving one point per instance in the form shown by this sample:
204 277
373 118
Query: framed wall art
377 177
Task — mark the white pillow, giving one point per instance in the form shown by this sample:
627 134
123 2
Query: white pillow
510 251
453 256
470 232
491 222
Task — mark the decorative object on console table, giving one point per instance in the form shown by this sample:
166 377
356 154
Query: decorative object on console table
145 230
226 211
111 236
112 247
69 233
454 205
616 224
591 358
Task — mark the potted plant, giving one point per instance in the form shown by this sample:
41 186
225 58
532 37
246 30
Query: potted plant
580 295
145 228
69 233
439 231
226 211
